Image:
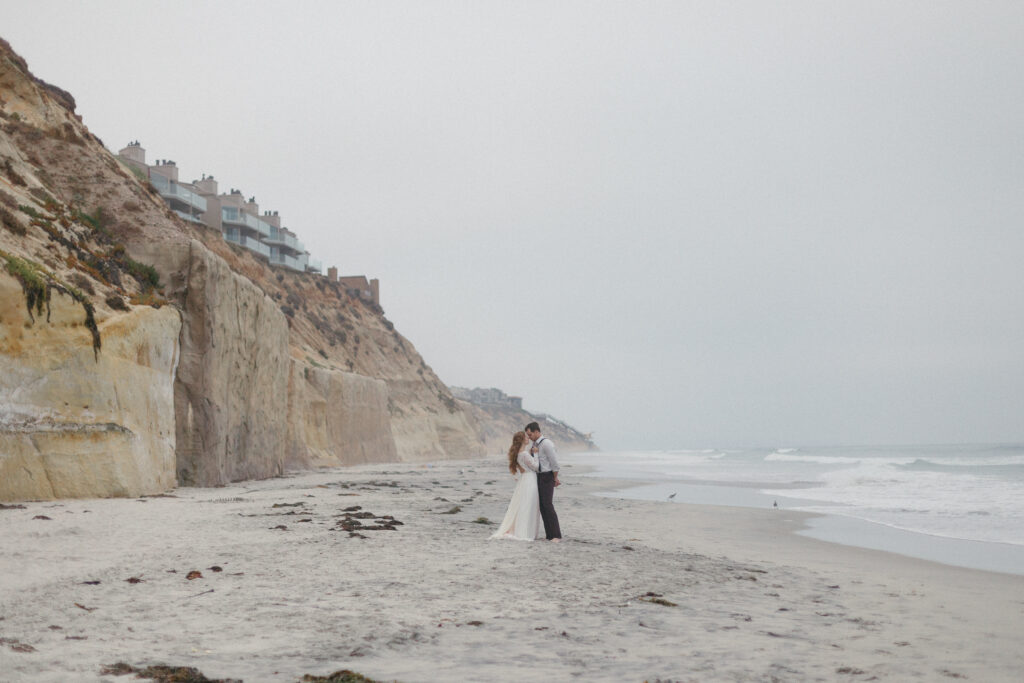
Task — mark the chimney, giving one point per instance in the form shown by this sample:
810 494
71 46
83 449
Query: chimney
133 152
207 186
332 273
167 169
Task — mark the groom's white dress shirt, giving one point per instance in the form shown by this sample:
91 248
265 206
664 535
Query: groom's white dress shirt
547 460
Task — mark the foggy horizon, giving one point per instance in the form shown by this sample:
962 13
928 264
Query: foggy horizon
710 225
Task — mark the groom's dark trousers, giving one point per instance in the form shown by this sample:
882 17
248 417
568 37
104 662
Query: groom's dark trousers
546 489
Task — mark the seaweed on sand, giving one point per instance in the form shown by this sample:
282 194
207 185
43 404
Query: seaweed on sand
657 599
349 521
162 673
342 676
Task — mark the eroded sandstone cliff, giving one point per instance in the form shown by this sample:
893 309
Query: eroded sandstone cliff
272 368
76 423
337 418
207 364
230 393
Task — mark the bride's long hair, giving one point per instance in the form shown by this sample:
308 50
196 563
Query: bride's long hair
513 453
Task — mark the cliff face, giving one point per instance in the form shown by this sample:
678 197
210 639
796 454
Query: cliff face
230 394
74 423
331 330
86 379
193 360
337 418
260 368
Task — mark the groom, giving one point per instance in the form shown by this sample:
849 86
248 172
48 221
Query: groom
547 479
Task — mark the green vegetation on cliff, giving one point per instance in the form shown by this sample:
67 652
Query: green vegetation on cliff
37 284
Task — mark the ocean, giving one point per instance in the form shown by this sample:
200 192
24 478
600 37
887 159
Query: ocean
957 504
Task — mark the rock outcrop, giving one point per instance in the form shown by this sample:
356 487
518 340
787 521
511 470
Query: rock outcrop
337 418
429 429
230 394
74 423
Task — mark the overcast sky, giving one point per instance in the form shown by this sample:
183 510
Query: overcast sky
677 224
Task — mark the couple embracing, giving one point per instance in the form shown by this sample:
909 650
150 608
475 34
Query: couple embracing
531 512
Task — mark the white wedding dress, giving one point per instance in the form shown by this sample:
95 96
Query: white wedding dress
522 520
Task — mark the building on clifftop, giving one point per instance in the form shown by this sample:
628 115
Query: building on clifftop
487 397
235 217
359 286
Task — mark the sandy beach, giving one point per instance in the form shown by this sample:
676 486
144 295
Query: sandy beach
387 570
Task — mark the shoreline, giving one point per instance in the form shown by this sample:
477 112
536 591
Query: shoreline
823 524
638 590
830 527
803 527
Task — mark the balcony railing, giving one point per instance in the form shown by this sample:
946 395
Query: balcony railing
263 228
233 216
281 239
278 257
171 190
185 216
314 266
248 242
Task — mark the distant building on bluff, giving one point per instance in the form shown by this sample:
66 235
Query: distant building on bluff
487 397
238 220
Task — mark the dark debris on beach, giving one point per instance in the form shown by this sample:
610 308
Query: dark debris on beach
17 645
350 518
343 676
161 673
657 599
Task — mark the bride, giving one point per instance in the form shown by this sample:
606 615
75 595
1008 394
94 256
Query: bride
522 521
